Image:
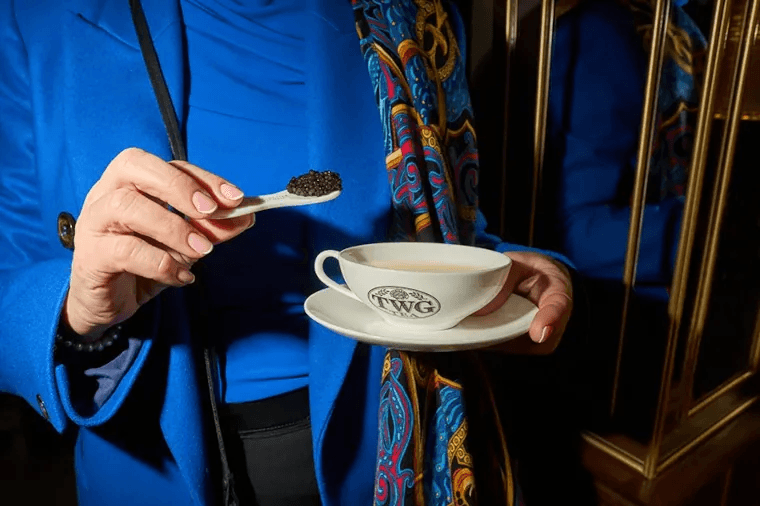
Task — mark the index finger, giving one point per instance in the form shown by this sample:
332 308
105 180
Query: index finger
194 192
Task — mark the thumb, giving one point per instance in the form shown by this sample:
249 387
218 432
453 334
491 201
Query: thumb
553 314
514 277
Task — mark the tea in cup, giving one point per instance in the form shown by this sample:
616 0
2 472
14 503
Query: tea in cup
418 286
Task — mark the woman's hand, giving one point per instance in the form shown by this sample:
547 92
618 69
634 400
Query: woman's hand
545 282
128 246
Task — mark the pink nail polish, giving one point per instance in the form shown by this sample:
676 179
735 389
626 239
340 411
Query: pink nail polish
200 244
186 277
546 333
204 203
230 191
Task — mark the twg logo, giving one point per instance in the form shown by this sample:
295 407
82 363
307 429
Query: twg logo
404 302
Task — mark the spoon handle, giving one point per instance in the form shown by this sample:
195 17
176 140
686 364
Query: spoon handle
258 203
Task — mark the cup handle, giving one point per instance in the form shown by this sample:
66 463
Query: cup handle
324 278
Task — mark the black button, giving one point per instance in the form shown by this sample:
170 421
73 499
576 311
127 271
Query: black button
66 224
43 409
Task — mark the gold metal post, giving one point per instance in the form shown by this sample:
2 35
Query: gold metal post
730 385
648 116
704 435
542 103
720 194
510 38
614 451
727 479
718 32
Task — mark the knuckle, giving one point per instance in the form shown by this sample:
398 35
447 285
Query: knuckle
197 172
177 180
187 260
131 156
92 196
165 265
211 179
79 269
122 201
127 158
177 228
125 249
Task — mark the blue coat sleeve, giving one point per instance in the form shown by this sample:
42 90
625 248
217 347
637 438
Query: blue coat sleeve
595 107
34 272
485 239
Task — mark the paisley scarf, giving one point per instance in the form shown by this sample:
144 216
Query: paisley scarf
427 449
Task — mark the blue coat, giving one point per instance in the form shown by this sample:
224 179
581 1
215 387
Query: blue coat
74 92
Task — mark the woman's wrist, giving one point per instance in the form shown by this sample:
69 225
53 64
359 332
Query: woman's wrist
69 324
90 339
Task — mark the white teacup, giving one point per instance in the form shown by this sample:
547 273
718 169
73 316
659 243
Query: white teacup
419 286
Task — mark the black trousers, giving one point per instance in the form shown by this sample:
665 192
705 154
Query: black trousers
269 449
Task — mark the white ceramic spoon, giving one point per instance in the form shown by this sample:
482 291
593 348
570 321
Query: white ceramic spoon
263 202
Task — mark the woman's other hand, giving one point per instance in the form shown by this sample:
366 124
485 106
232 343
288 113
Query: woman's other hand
545 282
128 245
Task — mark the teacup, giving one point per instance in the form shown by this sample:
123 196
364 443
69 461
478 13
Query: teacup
418 286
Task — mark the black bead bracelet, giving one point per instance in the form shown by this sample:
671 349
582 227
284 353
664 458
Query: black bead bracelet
77 344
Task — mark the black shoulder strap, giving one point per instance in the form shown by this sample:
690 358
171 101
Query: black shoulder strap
165 105
179 152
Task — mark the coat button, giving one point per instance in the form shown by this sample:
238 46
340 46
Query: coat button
66 225
43 409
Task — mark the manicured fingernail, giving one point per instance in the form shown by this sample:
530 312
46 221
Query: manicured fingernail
546 333
200 243
231 192
204 203
185 277
253 221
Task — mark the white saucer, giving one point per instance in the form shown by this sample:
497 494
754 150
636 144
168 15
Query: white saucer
353 319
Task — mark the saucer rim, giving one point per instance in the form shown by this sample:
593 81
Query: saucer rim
511 329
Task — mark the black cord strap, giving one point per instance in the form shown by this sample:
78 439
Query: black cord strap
179 152
168 113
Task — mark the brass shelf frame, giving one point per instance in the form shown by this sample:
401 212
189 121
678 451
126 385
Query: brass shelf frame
713 411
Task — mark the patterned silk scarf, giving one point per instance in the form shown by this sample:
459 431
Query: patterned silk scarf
427 450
